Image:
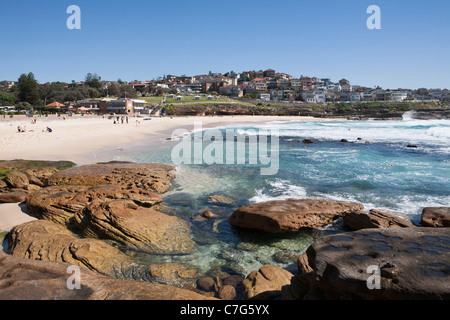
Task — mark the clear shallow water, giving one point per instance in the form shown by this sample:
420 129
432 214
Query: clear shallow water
382 174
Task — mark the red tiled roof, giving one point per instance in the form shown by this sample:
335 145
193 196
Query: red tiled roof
55 104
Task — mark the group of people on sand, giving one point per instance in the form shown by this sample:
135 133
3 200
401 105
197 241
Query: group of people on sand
121 119
24 129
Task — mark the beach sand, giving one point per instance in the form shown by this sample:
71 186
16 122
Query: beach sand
87 140
13 214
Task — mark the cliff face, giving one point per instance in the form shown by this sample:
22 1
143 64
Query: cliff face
349 111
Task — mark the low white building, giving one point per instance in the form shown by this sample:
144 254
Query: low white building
333 86
398 96
264 96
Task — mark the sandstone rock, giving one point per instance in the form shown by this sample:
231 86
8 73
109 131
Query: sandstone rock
40 172
303 264
375 219
16 179
204 215
174 274
291 215
206 284
146 176
227 292
60 203
436 217
48 241
32 187
413 263
233 281
266 283
23 279
221 199
3 184
13 197
137 227
35 180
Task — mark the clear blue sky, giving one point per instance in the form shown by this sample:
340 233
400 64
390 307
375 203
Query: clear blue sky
142 40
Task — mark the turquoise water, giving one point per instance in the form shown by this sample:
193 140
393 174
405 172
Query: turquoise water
375 167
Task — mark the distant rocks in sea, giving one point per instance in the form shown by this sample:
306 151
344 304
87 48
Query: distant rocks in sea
376 219
291 215
438 217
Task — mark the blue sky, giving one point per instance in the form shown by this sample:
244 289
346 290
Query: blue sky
142 40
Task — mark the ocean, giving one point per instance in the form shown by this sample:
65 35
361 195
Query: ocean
377 167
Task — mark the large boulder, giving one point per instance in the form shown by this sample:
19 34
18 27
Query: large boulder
291 215
137 227
375 219
146 176
23 279
407 263
60 203
16 179
13 197
436 217
266 283
48 241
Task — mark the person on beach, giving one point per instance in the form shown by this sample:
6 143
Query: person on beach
127 119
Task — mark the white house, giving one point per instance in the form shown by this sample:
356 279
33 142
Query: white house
264 96
399 96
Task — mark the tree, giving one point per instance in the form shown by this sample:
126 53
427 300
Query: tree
28 89
93 80
127 91
113 90
8 98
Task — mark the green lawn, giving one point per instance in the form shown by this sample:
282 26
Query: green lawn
152 100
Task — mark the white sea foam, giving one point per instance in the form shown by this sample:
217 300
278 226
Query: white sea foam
279 190
409 131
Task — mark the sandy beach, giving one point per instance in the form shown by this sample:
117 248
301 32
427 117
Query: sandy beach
87 140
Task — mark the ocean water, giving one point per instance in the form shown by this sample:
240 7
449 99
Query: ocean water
375 167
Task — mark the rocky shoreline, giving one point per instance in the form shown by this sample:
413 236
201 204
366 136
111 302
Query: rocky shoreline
91 216
358 111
